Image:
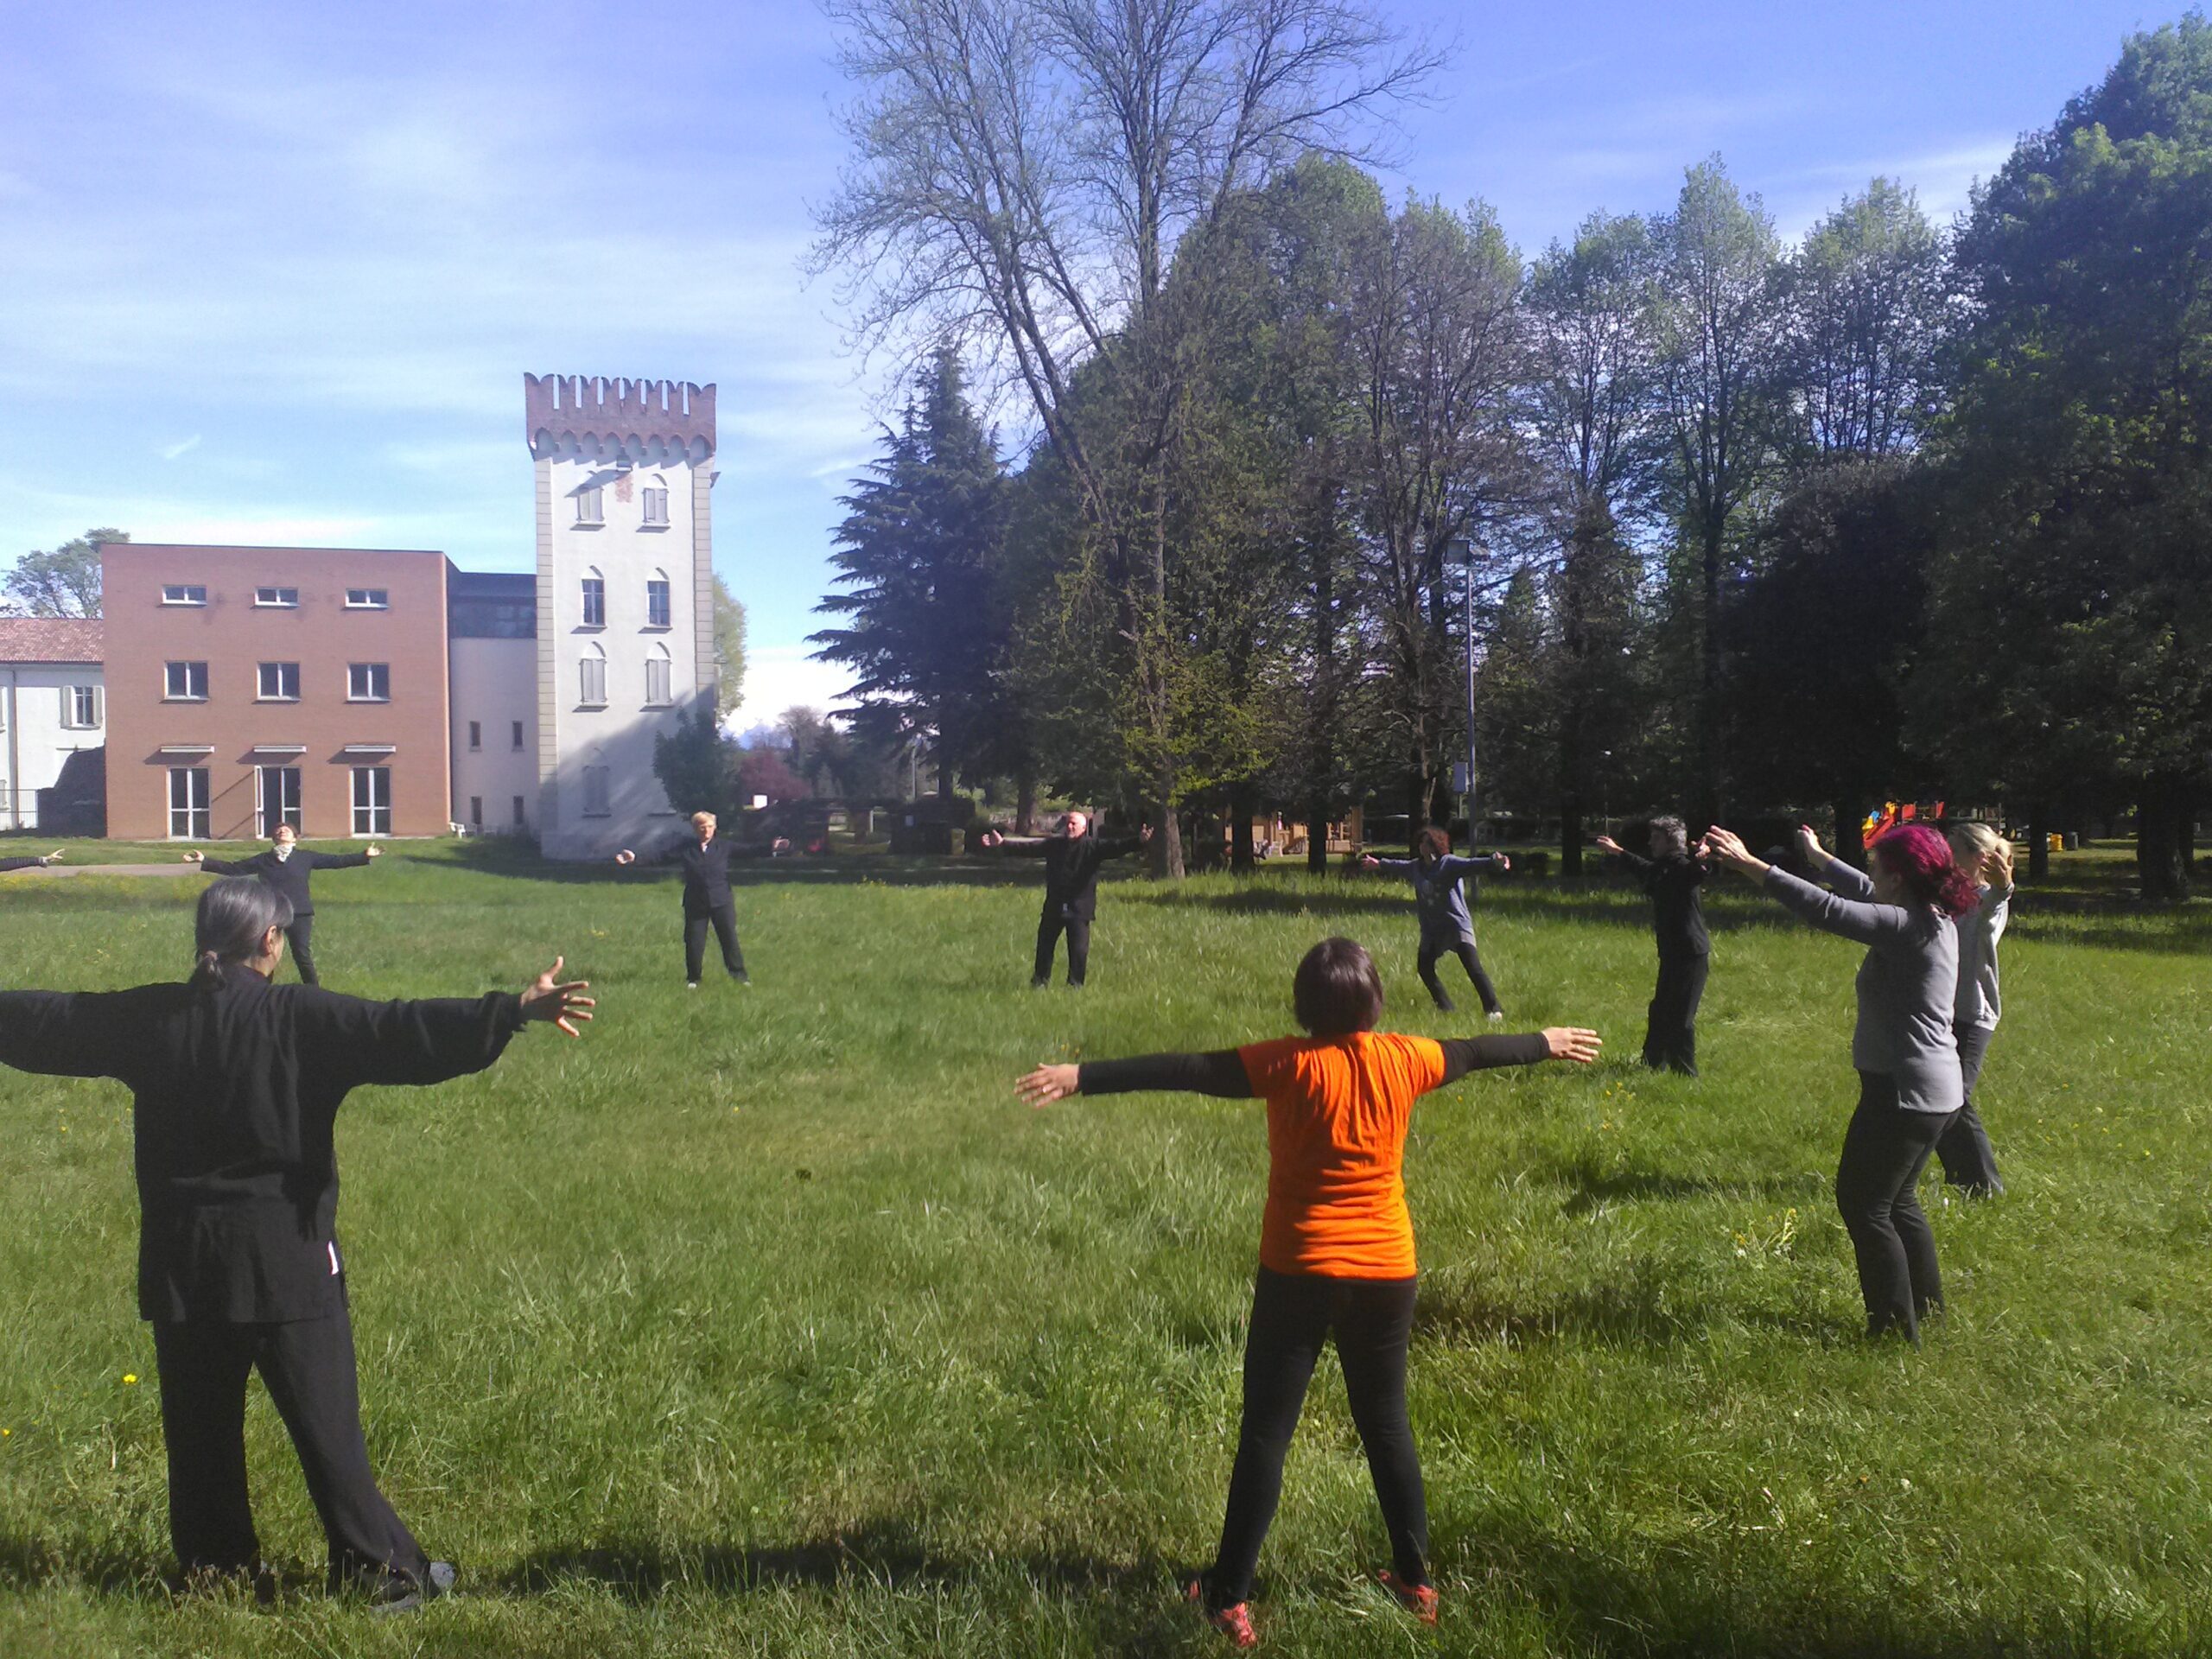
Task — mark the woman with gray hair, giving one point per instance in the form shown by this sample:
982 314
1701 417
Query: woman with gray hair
236 1086
1672 876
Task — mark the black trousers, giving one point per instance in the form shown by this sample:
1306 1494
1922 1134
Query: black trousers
1293 1314
1076 926
1465 950
723 919
1670 1024
1968 1159
308 1367
1884 1151
300 936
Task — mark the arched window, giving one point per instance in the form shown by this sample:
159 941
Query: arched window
658 604
595 598
592 668
660 677
656 495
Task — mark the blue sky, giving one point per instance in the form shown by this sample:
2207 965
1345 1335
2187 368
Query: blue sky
275 273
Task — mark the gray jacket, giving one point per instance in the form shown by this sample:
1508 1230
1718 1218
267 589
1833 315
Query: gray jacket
1443 907
1906 985
1977 1003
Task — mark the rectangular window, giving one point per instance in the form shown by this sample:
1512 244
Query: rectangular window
657 677
657 603
276 798
279 683
80 706
368 599
656 506
518 742
594 602
587 508
283 599
368 682
476 811
181 594
189 815
186 683
373 800
594 690
521 818
475 737
596 803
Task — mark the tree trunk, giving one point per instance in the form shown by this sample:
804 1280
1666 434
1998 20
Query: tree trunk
2039 843
1850 840
944 782
1243 801
2185 833
2158 844
1317 832
1711 768
1024 803
1570 838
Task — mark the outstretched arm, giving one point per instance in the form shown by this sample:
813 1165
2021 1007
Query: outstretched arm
1465 1054
435 1039
225 866
1613 849
343 861
1220 1074
1832 912
1387 866
58 1033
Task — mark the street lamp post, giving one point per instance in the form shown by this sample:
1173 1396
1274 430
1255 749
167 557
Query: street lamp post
1468 623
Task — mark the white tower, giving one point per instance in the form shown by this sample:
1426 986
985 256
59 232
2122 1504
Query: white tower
626 611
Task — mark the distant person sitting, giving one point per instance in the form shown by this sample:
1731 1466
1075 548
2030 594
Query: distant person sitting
286 866
705 857
1073 858
8 864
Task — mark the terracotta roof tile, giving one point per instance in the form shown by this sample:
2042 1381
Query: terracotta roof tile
51 639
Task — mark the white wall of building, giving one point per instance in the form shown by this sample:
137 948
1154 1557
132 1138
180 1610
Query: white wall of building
493 686
39 729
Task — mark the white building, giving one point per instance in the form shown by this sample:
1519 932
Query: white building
491 641
625 615
52 710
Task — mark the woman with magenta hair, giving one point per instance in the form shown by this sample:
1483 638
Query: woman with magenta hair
1907 1058
1336 1244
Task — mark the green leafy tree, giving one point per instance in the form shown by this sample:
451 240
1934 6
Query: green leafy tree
2073 597
63 580
730 650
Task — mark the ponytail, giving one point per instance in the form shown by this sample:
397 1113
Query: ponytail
235 915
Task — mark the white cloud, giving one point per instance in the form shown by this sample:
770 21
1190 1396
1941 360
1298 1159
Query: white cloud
777 677
176 451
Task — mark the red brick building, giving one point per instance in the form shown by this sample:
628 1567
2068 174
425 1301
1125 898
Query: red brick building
247 686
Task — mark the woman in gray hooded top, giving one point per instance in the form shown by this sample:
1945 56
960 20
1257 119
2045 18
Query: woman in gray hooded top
1446 927
1907 1062
1987 857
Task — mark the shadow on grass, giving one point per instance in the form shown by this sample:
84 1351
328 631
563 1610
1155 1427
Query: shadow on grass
1647 1309
1593 1186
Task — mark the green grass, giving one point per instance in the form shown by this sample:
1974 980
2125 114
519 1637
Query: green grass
767 1322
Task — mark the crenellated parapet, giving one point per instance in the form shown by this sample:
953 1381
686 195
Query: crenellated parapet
588 417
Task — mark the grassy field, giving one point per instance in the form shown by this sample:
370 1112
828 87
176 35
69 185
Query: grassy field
766 1322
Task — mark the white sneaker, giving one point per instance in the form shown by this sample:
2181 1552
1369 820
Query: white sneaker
1497 1018
690 984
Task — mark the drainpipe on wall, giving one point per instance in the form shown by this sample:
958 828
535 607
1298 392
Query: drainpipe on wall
15 753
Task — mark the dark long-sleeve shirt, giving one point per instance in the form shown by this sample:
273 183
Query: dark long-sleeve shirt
289 875
1222 1073
1677 907
1906 985
8 864
235 1093
1072 866
706 872
1444 919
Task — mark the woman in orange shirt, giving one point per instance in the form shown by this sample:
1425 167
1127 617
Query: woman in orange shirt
1336 1245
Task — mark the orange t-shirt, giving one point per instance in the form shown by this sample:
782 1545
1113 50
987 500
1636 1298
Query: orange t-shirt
1337 1109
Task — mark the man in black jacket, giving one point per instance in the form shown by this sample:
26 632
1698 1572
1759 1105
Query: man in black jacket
1672 875
705 859
1071 861
286 866
8 864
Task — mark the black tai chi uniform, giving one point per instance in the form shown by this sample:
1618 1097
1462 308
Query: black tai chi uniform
1685 957
235 1093
8 864
707 903
289 875
1072 865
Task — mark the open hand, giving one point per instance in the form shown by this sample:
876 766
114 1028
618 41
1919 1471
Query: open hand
375 852
1046 1084
989 838
1504 862
1573 1043
562 1003
1728 846
53 857
1607 844
1808 845
1369 861
626 857
195 858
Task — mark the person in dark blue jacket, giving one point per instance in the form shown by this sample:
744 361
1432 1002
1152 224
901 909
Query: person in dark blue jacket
1447 927
705 857
235 1086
